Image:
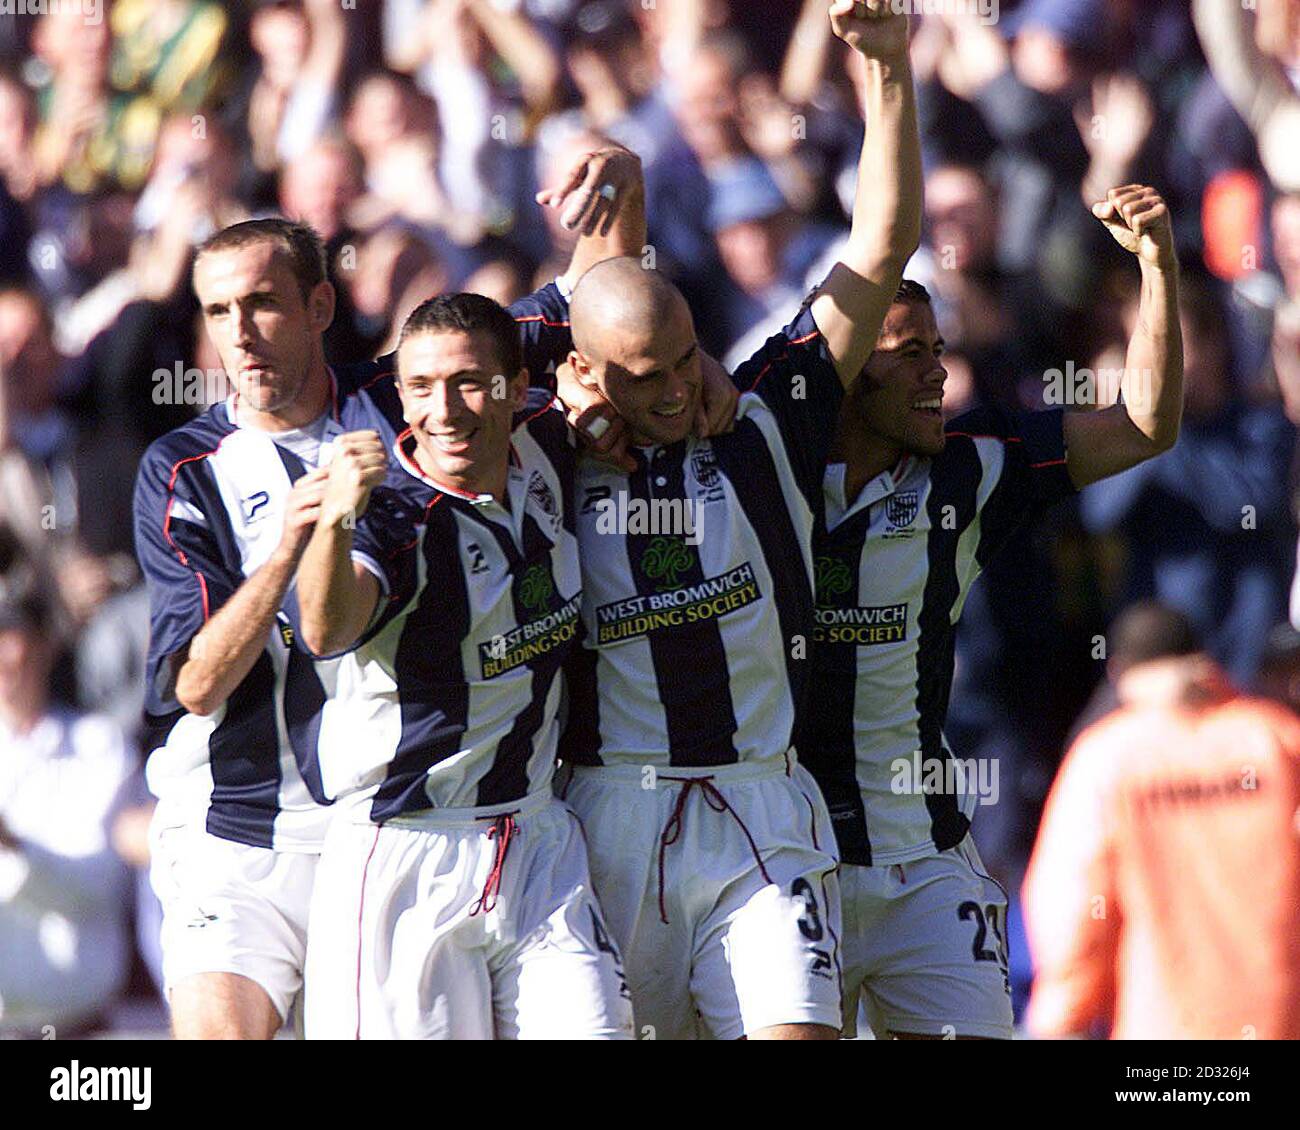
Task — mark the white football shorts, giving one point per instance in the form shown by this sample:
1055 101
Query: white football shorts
464 925
229 907
720 888
925 947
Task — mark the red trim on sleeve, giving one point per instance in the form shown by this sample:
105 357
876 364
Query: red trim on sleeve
544 320
547 407
167 523
777 360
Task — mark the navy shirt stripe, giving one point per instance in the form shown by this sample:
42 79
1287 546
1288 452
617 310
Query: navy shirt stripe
690 662
434 693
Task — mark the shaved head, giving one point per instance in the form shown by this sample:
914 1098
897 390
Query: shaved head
619 300
634 339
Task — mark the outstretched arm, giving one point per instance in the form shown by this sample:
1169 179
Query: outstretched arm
853 302
1146 421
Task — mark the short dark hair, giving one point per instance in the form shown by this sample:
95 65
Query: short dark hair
469 313
909 290
1148 631
299 241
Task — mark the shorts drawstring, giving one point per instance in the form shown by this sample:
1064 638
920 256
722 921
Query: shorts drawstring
503 827
673 828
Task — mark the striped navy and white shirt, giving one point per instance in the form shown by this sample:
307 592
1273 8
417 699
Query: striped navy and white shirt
450 699
209 505
209 511
893 572
697 654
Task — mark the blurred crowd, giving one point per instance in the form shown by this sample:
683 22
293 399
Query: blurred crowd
413 135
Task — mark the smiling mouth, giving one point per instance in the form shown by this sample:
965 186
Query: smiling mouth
669 413
929 406
452 443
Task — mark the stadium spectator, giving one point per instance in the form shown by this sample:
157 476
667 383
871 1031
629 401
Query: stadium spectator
1205 526
63 922
1163 897
1255 66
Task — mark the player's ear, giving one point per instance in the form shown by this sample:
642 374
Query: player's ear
320 305
582 369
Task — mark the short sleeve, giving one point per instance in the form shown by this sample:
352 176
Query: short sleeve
543 320
1033 474
385 542
795 377
187 575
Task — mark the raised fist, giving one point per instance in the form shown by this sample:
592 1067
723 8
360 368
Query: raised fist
359 465
871 27
1138 218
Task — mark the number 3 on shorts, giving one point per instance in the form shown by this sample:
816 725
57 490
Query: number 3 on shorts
810 923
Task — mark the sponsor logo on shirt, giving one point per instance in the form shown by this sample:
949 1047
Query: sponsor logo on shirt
537 637
536 588
863 627
834 578
671 607
665 559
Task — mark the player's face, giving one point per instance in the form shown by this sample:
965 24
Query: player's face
265 333
654 384
899 396
460 406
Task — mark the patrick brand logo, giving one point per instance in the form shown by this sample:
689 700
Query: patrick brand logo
75 1083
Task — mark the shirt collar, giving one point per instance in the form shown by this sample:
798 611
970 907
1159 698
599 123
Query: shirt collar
839 507
516 482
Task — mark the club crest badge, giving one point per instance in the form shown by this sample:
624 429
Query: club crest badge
901 508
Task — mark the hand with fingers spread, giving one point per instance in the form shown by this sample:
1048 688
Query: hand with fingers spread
359 465
1138 218
596 188
601 429
870 27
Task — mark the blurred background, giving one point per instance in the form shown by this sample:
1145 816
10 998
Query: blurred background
412 134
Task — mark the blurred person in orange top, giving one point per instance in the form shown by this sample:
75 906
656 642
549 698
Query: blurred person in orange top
1163 897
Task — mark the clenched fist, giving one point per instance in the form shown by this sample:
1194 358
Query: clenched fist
359 465
1138 218
871 27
